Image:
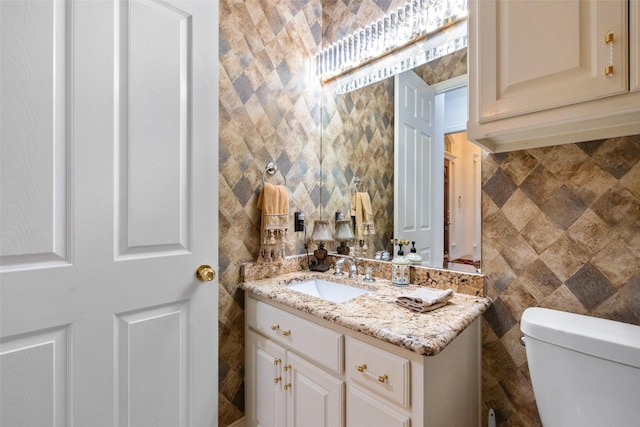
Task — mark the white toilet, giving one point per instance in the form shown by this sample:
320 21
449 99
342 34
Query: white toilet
585 370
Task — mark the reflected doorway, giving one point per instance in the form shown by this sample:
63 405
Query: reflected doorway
462 161
446 209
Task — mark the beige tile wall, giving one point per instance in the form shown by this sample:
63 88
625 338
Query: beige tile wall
560 229
269 111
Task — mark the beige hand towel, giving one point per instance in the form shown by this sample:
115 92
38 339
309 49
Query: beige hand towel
424 299
274 204
361 210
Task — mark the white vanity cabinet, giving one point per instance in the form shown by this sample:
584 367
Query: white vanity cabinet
293 370
538 71
305 371
286 390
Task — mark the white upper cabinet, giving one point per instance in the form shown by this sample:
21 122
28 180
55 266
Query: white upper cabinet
540 71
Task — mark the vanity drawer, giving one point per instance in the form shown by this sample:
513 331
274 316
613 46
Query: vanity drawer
314 342
379 371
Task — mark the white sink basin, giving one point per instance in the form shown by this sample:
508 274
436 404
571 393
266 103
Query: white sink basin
330 291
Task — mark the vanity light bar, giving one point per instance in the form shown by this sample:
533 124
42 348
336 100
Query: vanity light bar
382 73
415 20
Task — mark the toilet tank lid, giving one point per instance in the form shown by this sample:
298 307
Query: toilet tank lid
608 339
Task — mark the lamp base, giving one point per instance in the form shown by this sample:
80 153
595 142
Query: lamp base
319 267
319 254
343 249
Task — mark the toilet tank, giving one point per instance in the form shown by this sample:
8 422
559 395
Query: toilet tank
585 371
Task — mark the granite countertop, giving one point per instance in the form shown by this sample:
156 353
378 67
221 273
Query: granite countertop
375 313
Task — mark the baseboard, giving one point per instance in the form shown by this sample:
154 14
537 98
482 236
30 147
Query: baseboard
239 423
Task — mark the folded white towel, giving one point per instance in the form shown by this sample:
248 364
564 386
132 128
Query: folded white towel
423 299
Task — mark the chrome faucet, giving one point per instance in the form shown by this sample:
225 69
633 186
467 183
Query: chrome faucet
353 267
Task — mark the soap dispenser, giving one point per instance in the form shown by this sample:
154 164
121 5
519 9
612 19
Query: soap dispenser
400 266
414 257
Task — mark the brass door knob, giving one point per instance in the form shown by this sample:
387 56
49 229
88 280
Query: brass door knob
205 273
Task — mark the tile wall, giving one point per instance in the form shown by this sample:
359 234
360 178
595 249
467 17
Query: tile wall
269 111
560 229
357 140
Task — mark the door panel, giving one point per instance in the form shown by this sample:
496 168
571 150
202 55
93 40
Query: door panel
151 345
35 379
417 205
364 410
265 377
155 76
315 397
140 331
34 201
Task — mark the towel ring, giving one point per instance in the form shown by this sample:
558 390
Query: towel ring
359 184
272 168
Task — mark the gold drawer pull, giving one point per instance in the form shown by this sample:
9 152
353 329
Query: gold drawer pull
608 40
276 361
608 70
287 386
277 380
384 378
277 328
287 367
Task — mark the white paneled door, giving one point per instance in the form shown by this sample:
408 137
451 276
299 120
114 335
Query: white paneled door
108 207
419 169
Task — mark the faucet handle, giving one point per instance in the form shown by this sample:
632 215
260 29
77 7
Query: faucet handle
368 274
338 267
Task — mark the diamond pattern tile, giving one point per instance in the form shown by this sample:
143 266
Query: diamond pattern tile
268 112
567 231
590 286
355 140
540 185
619 157
564 257
517 165
499 187
618 208
563 207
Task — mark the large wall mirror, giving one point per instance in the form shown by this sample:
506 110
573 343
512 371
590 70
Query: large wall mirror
423 185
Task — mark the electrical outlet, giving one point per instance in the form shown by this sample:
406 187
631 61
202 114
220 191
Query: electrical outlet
298 221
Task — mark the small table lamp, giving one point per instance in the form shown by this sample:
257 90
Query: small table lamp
344 234
321 235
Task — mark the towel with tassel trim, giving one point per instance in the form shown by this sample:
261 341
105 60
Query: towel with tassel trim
274 204
423 299
361 210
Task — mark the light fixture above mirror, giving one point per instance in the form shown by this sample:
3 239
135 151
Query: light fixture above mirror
414 34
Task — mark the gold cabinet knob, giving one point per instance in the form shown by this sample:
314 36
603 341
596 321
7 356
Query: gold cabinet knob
608 70
383 378
205 273
362 367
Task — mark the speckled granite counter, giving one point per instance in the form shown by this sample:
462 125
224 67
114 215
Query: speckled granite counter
375 313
